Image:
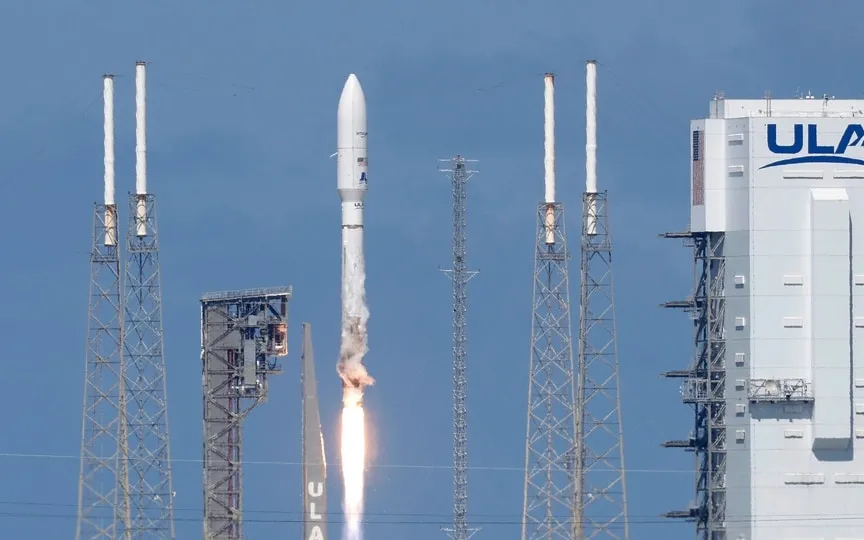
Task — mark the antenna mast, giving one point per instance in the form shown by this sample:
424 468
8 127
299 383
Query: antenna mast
459 174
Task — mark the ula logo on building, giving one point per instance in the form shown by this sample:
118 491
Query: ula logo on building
814 151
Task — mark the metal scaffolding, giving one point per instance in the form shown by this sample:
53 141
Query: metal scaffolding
151 492
103 485
704 384
601 494
242 333
459 175
550 438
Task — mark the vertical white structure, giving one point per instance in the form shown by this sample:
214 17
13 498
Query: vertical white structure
110 203
549 153
591 145
141 146
777 206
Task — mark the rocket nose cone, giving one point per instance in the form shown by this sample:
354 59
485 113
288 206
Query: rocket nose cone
352 91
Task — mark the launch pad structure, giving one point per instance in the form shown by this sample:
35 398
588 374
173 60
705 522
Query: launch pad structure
242 334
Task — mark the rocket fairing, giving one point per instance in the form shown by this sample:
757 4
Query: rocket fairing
352 163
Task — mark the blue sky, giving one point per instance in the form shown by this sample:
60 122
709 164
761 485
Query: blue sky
241 121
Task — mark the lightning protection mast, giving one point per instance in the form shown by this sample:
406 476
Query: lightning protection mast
152 495
103 484
601 497
550 436
459 175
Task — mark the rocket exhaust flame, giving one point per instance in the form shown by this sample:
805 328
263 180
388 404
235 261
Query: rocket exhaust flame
353 467
351 185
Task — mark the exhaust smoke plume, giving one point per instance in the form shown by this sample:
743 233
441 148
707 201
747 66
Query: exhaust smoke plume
355 379
355 315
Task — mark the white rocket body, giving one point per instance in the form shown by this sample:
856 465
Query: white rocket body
351 142
351 184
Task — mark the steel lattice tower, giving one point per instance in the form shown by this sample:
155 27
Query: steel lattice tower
147 405
601 500
103 490
103 483
151 491
459 175
551 427
549 482
241 334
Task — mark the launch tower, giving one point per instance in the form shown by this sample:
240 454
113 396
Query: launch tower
459 175
601 495
242 334
550 437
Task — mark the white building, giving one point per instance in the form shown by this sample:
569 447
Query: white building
777 220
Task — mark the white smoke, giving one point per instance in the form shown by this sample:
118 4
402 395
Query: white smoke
355 315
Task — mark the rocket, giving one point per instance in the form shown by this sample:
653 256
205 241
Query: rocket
351 183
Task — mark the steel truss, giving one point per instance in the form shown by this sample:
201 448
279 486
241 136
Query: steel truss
705 384
550 439
601 489
459 175
103 486
151 491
